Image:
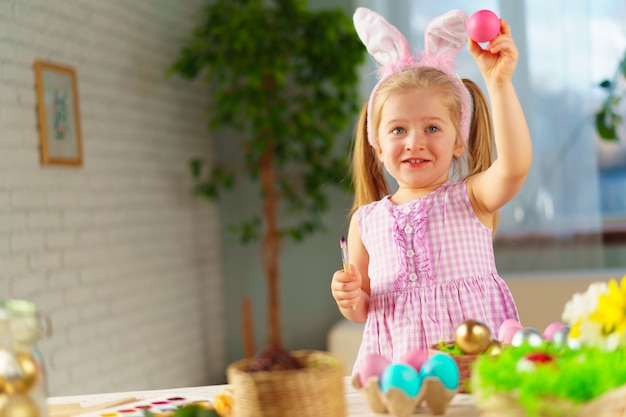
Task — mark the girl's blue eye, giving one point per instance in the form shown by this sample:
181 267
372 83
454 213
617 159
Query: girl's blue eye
398 131
432 129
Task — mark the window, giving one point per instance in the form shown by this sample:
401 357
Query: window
571 212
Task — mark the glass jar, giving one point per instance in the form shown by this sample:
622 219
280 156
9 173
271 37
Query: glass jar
23 385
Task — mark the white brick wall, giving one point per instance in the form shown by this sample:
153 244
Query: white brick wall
118 254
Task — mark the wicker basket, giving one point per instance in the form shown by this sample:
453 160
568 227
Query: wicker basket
463 362
314 391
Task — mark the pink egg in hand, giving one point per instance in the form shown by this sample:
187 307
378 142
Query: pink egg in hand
415 358
549 332
483 26
507 330
372 365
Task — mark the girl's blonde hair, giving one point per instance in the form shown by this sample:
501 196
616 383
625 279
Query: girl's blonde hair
368 174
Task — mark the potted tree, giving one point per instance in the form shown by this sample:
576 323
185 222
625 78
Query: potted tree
286 77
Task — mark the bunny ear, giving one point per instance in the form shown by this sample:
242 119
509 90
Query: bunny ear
383 41
444 38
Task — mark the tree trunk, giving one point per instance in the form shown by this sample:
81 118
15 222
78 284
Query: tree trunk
270 247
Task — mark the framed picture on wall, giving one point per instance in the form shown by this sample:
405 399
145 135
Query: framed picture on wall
59 114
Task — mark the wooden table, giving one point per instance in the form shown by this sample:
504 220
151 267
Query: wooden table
68 406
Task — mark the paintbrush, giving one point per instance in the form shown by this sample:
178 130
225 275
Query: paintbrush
345 259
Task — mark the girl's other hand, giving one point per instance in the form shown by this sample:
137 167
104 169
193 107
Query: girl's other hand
346 288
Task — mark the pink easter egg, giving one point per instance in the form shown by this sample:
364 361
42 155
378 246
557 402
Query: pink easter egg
372 365
415 358
483 26
507 330
551 329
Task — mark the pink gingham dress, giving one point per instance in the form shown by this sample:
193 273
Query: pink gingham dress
431 266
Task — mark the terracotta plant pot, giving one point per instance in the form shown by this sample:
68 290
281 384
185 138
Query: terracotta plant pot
313 391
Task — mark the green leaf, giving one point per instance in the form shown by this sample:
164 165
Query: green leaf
605 125
608 118
218 179
606 84
195 166
194 410
248 231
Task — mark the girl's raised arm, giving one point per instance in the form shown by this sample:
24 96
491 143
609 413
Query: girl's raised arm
497 185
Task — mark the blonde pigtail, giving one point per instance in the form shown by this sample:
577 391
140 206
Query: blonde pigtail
367 172
481 146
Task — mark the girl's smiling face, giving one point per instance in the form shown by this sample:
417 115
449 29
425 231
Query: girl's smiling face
417 140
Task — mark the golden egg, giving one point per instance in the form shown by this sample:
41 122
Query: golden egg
29 371
19 405
494 348
9 370
4 399
472 336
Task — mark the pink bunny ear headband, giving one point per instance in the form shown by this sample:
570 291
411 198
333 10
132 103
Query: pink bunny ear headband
444 38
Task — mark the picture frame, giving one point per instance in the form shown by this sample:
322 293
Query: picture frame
59 114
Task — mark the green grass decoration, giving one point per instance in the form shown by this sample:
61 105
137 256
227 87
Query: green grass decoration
189 410
451 349
577 375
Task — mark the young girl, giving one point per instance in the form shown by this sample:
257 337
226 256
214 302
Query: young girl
422 258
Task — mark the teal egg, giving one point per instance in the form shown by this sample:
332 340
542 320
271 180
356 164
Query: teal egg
442 367
403 377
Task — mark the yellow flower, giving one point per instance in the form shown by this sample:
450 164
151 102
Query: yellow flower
611 308
223 402
574 331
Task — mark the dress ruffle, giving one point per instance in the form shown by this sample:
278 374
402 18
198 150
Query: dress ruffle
408 234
